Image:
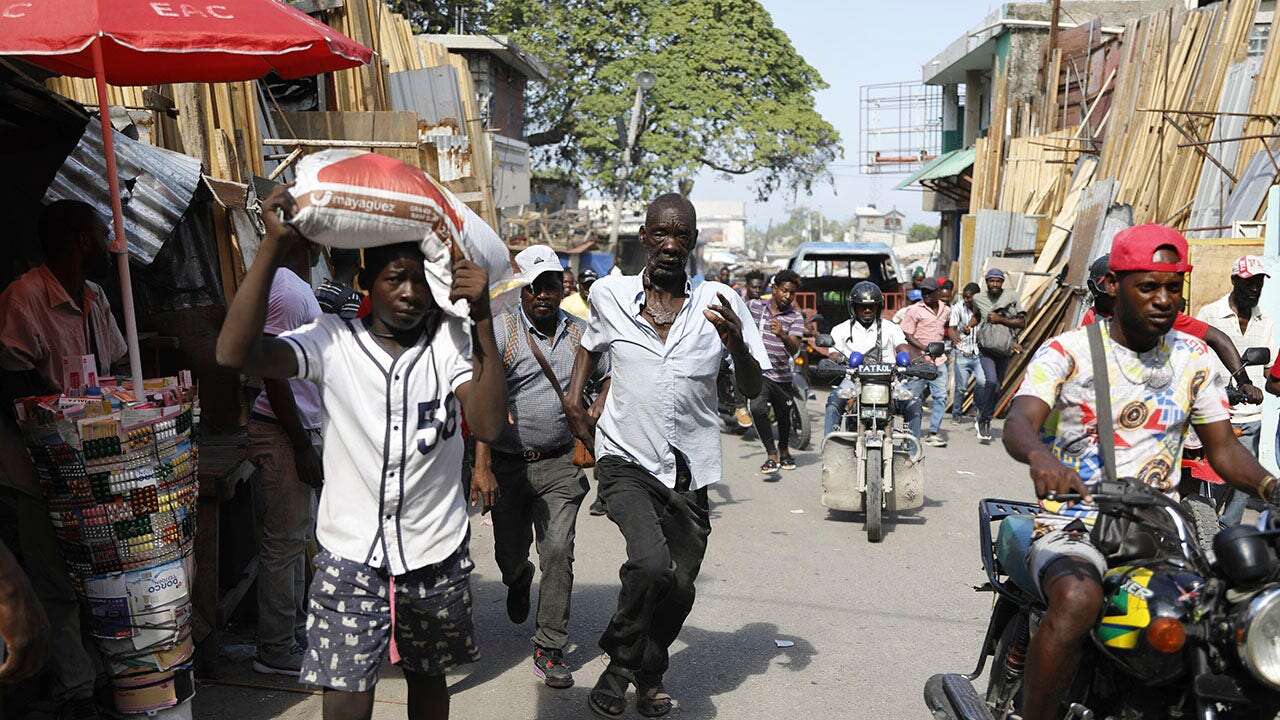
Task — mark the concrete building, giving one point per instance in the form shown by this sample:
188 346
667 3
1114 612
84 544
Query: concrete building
500 71
871 224
722 224
1011 37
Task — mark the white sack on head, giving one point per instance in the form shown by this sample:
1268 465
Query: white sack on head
355 199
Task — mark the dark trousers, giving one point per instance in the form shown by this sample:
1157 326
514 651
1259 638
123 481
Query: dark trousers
666 532
994 368
539 500
778 396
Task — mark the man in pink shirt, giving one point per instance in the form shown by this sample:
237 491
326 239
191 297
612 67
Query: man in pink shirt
923 323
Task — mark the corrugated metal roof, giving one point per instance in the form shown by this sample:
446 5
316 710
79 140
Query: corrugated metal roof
156 187
945 165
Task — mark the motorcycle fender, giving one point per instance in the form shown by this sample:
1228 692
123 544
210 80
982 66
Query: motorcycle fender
843 477
907 474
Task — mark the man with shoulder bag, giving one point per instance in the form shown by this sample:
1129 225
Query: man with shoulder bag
532 475
1119 398
998 316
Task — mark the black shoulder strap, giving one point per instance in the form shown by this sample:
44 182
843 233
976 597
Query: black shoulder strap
1102 392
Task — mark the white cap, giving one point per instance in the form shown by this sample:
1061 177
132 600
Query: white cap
535 260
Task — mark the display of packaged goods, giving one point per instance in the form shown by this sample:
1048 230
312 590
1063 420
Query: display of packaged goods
119 478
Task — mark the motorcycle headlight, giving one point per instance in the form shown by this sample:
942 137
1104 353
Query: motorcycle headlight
875 394
1258 637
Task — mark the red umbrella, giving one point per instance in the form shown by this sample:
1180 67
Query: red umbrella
146 42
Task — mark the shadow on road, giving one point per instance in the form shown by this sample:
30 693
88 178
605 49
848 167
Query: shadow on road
712 663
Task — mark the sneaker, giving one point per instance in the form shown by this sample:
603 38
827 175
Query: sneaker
518 598
744 417
597 507
934 440
984 431
786 462
289 665
549 665
769 467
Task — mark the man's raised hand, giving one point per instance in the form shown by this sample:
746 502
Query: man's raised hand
470 283
278 209
727 322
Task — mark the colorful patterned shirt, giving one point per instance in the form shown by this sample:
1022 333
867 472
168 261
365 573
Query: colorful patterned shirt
1151 422
792 322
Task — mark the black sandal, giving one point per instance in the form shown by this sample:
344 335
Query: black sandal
653 701
608 698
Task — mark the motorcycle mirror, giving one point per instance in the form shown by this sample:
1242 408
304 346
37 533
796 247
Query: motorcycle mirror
935 349
1256 356
1244 555
824 340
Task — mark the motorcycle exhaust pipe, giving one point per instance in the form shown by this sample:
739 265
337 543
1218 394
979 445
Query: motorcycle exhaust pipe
952 697
902 439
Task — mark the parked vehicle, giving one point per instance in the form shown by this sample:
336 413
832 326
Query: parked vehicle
801 431
829 270
868 464
1187 630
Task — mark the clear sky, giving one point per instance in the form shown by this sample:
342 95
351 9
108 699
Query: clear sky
854 43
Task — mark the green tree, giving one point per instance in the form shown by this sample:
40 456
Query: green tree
801 225
920 232
732 93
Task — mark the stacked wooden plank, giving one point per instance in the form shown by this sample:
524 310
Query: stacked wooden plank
1038 172
216 122
1168 90
367 89
988 166
1142 114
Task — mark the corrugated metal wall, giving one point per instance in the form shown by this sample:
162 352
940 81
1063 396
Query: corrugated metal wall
1000 233
156 186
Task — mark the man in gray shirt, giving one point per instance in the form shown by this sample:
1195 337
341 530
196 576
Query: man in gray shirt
528 476
658 439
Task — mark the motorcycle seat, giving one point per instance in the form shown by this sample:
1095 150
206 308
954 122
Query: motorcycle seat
1013 542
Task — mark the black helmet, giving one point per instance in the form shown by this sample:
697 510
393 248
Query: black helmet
1097 271
865 293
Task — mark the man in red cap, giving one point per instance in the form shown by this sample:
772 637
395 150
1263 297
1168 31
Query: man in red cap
1240 317
1161 383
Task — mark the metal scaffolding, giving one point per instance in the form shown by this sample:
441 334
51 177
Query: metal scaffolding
901 127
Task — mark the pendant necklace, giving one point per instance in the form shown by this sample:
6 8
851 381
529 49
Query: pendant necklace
1156 378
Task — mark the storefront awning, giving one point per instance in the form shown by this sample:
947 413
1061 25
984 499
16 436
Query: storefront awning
944 166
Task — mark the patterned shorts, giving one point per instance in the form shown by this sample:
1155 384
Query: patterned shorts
349 620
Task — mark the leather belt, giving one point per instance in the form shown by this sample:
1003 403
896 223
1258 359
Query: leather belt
536 455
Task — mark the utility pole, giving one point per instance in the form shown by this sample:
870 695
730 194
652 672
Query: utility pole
644 81
1053 30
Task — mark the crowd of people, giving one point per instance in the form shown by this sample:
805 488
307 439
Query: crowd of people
373 400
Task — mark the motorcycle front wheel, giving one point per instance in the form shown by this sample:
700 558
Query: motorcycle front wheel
873 504
801 434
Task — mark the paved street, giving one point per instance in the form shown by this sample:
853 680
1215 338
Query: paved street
867 623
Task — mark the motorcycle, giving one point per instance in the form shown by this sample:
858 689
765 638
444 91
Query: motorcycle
1199 481
1184 632
726 405
868 465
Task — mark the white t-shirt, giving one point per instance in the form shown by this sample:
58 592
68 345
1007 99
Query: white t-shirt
292 304
850 337
1150 419
392 441
1261 333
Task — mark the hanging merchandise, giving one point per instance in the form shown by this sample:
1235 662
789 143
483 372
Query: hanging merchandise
118 473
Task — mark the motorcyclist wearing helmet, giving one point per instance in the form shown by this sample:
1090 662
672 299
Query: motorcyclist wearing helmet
867 333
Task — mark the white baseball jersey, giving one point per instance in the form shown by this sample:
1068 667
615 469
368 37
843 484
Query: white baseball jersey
393 448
